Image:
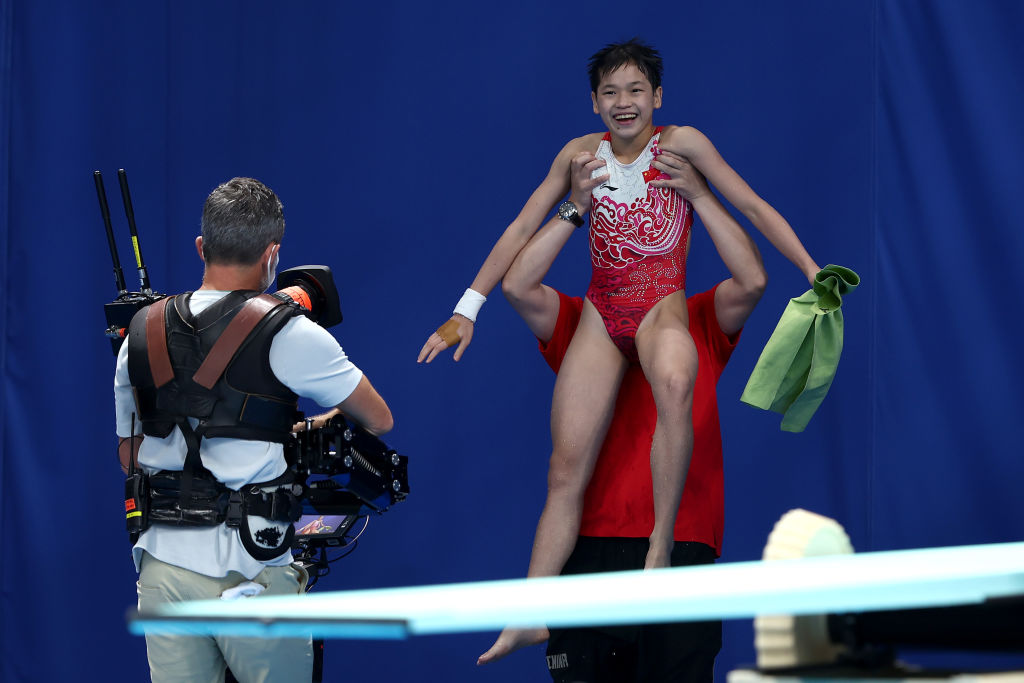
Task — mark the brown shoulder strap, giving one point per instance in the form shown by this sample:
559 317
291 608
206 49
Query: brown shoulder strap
237 331
156 343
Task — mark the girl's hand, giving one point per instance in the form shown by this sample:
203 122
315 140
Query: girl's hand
458 330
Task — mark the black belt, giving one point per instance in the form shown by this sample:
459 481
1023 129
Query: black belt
157 499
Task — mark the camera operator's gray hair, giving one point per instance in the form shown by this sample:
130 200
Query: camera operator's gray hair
240 218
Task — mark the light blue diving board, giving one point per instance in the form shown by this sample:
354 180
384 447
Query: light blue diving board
899 579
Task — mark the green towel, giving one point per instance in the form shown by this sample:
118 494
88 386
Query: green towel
798 363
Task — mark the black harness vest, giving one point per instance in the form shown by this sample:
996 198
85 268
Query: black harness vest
214 367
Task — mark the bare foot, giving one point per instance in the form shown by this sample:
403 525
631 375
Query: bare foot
659 555
510 640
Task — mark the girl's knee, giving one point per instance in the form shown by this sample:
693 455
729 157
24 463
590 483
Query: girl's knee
674 388
567 474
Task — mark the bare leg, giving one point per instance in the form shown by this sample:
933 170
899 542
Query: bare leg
582 407
669 359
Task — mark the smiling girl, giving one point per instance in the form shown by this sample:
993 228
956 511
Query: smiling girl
635 308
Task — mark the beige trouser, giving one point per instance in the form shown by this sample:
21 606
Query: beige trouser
202 659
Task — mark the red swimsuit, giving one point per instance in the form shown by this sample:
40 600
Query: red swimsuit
638 240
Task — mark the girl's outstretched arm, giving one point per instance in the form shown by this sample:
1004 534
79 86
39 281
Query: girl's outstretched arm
459 328
689 142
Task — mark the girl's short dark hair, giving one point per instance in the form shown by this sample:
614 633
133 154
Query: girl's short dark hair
633 51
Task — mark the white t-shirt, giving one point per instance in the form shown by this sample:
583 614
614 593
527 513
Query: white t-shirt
306 359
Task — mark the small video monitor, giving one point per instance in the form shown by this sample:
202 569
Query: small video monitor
320 529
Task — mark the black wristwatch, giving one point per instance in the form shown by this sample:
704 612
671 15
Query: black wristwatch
567 211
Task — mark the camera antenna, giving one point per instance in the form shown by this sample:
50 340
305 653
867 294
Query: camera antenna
105 210
122 178
120 311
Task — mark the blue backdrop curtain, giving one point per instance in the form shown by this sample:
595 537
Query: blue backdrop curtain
402 137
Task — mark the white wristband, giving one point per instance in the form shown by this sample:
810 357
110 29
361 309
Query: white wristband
469 305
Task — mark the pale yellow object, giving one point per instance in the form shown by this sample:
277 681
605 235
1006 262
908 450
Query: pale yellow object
786 640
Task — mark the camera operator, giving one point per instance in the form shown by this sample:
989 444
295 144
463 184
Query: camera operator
205 440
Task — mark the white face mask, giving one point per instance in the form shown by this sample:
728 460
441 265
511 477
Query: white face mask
271 272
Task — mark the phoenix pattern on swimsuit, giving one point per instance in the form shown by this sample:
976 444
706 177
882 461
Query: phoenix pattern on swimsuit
623 234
